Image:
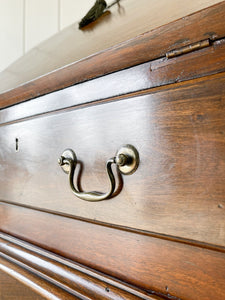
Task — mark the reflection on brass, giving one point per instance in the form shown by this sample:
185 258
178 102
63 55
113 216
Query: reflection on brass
189 48
126 159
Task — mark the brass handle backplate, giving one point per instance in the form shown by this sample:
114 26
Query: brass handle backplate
126 159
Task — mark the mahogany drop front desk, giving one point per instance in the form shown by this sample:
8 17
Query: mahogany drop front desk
161 234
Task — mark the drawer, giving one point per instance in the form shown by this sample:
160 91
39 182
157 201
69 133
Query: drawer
161 92
179 133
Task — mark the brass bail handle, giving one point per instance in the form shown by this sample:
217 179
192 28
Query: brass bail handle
126 159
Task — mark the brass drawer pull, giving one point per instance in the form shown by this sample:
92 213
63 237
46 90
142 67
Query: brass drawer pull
126 159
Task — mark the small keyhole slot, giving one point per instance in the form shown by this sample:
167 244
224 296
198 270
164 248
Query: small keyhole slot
17 144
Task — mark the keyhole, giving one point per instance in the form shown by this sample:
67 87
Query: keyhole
17 144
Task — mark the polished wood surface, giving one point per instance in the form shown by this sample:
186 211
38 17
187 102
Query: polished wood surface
208 23
161 234
179 134
55 271
149 75
11 289
47 291
148 262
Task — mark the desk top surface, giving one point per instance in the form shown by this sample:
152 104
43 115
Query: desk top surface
116 39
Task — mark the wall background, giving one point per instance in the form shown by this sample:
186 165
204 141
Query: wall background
26 23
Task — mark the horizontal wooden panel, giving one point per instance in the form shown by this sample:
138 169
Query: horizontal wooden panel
165 266
179 186
207 61
67 276
208 23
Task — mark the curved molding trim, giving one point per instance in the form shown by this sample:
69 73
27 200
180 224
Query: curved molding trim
56 278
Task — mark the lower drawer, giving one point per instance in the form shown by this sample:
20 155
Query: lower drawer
179 186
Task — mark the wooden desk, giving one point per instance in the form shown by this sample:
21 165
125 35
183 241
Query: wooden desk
160 235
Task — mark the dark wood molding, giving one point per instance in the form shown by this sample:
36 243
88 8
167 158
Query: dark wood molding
123 254
205 24
56 276
35 283
12 288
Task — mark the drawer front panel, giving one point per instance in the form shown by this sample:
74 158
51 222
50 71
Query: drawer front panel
179 186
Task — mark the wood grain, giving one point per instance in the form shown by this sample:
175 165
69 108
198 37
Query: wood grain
161 235
167 267
208 23
189 66
179 186
149 75
11 289
75 279
47 291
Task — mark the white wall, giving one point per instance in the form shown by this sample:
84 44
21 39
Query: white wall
11 31
26 23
